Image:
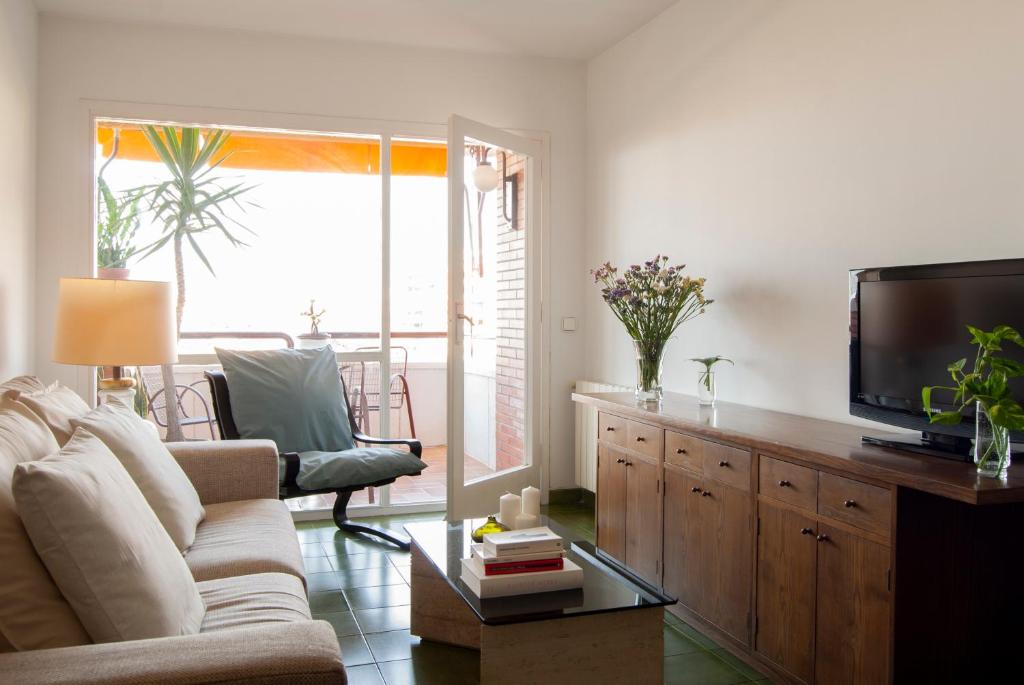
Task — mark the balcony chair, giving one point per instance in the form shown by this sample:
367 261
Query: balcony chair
188 396
370 466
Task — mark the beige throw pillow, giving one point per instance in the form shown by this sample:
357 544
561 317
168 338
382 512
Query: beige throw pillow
135 442
104 546
19 384
33 612
56 406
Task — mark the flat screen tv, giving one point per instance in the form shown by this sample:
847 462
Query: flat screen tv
908 323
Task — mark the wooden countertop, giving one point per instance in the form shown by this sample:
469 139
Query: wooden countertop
828 444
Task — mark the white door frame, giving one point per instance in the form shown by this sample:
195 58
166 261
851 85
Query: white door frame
475 498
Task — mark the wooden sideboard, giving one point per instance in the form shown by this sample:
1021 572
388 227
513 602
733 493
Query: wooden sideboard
808 554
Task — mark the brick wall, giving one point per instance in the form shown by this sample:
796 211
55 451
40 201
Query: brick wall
510 362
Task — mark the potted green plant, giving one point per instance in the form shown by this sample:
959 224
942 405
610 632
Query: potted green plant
707 388
985 389
116 226
651 301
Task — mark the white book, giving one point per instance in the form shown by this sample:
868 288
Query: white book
526 541
484 556
486 587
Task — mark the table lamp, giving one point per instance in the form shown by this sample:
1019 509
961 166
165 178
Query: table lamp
117 323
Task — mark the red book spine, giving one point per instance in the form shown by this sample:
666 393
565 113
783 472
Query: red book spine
500 568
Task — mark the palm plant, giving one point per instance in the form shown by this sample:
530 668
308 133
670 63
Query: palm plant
192 204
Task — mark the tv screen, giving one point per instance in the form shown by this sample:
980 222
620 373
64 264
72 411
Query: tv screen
909 323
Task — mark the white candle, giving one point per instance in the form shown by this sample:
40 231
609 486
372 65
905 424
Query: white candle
525 520
531 501
509 506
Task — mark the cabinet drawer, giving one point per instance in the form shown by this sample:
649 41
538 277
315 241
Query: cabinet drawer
684 450
797 485
646 440
612 429
859 504
726 464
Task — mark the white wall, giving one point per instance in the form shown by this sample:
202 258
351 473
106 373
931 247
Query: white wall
253 77
774 145
18 32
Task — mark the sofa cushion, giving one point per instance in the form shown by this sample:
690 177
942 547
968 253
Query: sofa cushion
19 384
33 612
104 546
135 442
56 406
244 537
243 601
293 397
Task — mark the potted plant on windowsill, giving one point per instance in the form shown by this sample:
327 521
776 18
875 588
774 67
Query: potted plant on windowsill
116 226
985 389
314 339
651 301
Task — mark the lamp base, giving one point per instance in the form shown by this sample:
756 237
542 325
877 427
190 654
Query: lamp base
117 391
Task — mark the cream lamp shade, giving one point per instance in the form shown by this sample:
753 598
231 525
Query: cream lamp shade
104 322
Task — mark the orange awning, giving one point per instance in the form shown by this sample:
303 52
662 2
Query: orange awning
273 152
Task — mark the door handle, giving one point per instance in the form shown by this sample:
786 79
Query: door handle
464 317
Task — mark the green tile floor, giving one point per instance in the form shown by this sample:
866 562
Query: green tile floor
361 587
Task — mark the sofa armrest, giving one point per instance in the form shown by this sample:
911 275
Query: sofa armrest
229 470
270 654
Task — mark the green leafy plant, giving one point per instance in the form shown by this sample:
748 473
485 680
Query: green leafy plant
116 226
192 204
709 363
985 384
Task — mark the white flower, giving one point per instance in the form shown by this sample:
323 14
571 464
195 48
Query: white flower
660 288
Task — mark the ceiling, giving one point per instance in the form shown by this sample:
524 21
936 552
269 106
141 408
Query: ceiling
572 29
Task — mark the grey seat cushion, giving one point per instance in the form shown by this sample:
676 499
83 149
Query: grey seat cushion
354 467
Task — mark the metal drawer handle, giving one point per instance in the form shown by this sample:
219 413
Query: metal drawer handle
680 450
723 463
620 461
806 531
629 463
849 503
705 494
640 438
695 489
821 538
610 429
784 483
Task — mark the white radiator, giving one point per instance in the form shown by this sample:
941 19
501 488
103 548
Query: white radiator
586 434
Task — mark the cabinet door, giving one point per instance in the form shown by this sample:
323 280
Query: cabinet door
684 538
611 502
727 561
853 612
786 578
643 518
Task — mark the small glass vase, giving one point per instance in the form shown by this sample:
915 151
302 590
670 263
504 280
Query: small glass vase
991 446
649 357
707 389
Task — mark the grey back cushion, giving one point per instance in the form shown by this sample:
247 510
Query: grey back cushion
293 397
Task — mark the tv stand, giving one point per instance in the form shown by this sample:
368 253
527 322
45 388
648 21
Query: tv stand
955 447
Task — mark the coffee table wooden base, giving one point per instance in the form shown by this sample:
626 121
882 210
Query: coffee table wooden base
613 647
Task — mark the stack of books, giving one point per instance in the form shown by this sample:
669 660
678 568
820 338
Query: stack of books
520 562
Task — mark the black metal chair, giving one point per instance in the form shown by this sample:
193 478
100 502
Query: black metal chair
289 488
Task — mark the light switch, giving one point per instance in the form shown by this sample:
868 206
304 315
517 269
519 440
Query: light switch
568 323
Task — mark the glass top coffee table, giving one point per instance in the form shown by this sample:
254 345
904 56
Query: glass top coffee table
608 631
